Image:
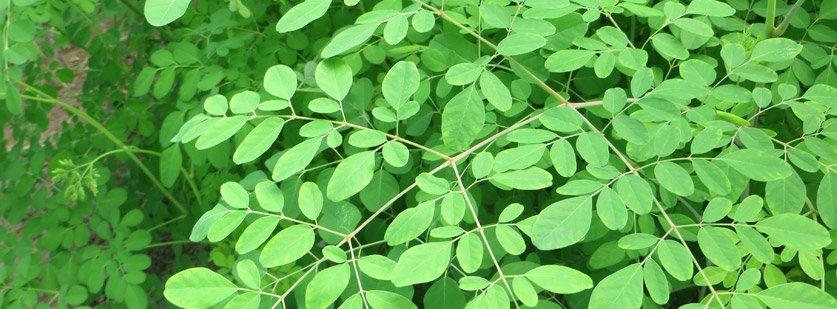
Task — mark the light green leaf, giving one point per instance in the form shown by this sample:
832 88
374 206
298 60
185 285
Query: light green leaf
469 252
295 159
757 164
611 210
395 153
674 178
712 176
432 184
710 8
280 81
796 295
510 239
795 231
220 131
269 196
334 77
775 49
563 158
719 247
302 14
256 234
524 291
495 91
248 273
225 224
592 147
621 289
559 279
388 300
656 282
519 157
349 38
198 288
533 178
463 73
235 195
287 246
421 263
755 243
326 286
827 199
694 26
162 12
400 83
563 223
676 259
352 175
636 193
462 119
259 140
310 200
520 43
409 224
568 60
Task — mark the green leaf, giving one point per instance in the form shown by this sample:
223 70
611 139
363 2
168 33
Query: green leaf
280 81
520 43
710 8
757 164
287 246
302 14
310 200
827 199
352 175
235 195
421 263
786 195
334 77
719 247
400 83
795 231
712 176
162 12
524 291
495 91
244 102
395 153
388 300
562 223
432 184
198 288
220 131
256 234
469 252
796 295
568 60
248 273
656 282
669 46
592 147
510 239
171 161
462 119
396 29
225 224
636 193
326 286
755 243
694 26
463 73
249 300
510 213
559 279
348 39
621 289
295 159
259 140
269 196
409 224
533 178
676 259
563 158
611 210
637 241
775 50
519 157
674 178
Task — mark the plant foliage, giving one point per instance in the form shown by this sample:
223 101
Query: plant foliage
424 153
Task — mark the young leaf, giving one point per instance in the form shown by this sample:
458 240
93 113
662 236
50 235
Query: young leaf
302 14
559 279
621 289
259 140
198 287
562 223
326 286
287 246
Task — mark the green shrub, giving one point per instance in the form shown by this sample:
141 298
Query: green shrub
434 154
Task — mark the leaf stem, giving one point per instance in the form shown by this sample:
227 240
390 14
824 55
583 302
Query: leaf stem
46 98
770 19
783 26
